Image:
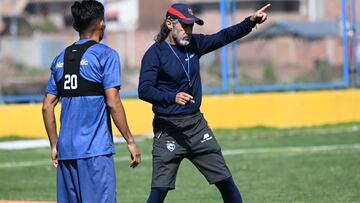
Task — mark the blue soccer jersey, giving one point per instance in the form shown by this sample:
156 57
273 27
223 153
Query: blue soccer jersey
85 129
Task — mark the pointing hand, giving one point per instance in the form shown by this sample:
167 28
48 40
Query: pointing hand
260 16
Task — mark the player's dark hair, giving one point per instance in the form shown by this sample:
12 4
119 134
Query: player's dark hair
86 15
164 31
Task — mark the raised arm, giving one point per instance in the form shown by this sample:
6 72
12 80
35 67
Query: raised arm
119 117
208 43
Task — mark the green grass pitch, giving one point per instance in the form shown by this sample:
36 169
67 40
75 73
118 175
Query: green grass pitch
315 164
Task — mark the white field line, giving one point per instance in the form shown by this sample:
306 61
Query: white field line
38 143
292 149
11 201
300 149
24 144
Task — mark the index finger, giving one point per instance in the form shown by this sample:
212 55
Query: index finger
264 7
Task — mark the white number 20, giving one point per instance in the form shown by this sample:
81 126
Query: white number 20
70 82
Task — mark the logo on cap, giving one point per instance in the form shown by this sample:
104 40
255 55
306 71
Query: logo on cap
190 11
183 13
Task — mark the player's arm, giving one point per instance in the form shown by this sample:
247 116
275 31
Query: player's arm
48 112
208 43
119 117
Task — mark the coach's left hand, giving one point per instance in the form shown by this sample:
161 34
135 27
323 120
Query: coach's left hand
260 16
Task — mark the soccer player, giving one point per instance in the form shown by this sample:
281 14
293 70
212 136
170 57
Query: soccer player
85 78
170 81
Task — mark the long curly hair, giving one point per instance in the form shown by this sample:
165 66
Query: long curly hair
164 31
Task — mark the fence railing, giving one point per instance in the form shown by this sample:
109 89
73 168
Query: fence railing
232 77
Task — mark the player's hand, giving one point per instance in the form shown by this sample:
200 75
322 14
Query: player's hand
260 15
135 154
183 98
54 156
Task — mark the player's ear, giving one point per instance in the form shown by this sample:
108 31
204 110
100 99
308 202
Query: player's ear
75 27
102 24
169 24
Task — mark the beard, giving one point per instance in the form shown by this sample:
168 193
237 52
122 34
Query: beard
180 41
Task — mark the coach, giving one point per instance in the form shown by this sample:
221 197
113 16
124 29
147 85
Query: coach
170 81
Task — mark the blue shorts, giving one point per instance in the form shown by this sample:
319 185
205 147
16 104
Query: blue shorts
90 180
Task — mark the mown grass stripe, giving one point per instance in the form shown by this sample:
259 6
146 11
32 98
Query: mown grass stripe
228 152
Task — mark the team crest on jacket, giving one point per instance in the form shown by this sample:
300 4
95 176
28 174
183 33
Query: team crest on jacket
170 145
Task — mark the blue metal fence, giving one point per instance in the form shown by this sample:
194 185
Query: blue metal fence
345 21
225 77
229 82
355 28
314 85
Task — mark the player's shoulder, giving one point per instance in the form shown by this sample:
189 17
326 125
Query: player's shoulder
60 56
103 51
58 61
103 48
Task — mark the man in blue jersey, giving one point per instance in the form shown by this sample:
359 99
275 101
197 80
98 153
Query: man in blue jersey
85 77
170 81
